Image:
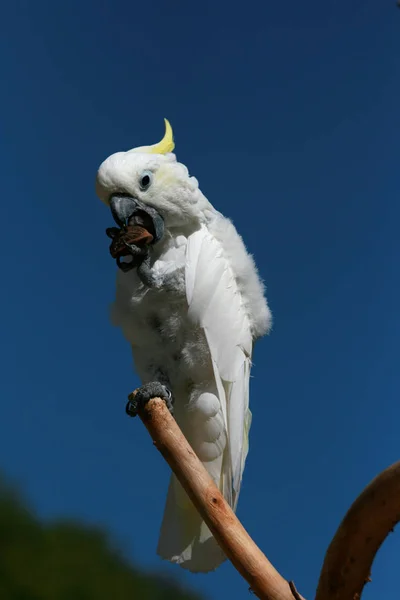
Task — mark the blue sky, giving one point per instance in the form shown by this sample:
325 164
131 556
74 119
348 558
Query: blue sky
288 114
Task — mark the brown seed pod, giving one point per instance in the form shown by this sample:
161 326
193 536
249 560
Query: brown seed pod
132 235
137 235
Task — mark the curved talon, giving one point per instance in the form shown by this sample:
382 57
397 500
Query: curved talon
111 232
122 265
170 403
131 408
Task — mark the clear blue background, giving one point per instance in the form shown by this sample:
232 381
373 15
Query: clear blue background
288 114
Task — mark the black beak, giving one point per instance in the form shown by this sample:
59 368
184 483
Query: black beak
123 208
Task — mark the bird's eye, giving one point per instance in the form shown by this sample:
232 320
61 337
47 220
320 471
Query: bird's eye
145 180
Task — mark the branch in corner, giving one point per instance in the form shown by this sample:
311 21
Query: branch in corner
349 558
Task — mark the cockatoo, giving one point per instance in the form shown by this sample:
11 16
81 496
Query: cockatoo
191 304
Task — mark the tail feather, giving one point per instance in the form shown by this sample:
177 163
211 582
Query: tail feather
184 538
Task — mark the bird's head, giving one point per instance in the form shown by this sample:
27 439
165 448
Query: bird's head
152 176
147 186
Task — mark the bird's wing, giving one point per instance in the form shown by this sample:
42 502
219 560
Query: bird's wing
215 304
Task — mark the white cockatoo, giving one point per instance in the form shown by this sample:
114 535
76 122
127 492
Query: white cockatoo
191 304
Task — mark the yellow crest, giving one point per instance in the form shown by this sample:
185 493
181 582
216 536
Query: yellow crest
167 143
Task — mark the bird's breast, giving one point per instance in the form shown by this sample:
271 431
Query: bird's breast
156 321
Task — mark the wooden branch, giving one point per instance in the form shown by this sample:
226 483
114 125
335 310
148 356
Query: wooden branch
348 561
349 558
252 564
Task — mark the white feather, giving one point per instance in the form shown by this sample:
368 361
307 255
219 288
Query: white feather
216 305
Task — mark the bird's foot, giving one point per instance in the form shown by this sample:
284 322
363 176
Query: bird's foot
146 392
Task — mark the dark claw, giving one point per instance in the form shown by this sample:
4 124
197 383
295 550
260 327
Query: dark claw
124 266
112 232
146 393
139 254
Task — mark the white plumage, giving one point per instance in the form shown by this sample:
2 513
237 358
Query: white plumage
194 331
